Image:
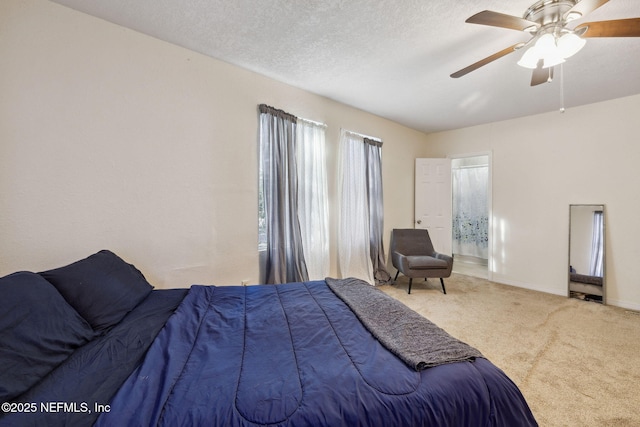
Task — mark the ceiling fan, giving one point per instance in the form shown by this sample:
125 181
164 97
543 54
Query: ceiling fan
552 41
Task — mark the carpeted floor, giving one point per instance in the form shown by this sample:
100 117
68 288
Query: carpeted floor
577 363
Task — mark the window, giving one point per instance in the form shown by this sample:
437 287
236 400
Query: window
292 205
360 247
313 212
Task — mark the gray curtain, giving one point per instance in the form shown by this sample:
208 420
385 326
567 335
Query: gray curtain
373 158
284 253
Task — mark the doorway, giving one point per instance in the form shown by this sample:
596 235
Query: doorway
471 208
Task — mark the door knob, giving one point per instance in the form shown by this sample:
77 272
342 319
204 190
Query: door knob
419 221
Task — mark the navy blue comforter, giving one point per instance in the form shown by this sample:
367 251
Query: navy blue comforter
296 355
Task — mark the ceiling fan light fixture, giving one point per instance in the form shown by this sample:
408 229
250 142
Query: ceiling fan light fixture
552 50
569 44
573 16
546 44
530 58
544 47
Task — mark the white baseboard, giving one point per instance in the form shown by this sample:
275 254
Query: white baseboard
623 304
531 287
613 302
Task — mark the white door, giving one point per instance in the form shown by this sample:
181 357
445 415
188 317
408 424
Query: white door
433 201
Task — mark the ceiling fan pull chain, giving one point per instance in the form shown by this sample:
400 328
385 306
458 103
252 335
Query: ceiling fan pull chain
561 88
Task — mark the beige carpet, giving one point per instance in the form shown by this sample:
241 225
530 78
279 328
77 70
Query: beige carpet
577 363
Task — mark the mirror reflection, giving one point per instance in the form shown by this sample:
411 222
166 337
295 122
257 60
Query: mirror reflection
587 252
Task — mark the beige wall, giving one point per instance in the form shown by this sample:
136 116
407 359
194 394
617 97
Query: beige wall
543 163
112 139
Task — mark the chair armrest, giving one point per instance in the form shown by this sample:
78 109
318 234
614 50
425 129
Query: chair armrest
399 261
447 258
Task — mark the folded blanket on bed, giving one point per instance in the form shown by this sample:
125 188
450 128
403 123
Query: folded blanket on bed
410 336
583 278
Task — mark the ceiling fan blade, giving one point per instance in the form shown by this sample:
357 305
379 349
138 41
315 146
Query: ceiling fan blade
541 75
615 28
496 19
486 60
584 7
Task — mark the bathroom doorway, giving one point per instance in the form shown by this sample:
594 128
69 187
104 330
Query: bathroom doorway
471 203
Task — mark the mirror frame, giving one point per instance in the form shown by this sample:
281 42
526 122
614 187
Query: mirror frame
595 206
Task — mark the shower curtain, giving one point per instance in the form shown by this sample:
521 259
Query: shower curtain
470 211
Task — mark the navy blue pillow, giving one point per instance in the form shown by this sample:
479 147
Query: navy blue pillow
38 331
102 288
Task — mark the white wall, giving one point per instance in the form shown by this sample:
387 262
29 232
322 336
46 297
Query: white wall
112 139
543 163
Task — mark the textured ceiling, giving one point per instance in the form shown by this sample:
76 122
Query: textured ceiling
392 58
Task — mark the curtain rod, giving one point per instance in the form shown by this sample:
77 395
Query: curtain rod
362 135
264 108
267 109
469 167
313 122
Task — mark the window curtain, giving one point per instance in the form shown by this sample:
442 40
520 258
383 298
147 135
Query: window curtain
470 211
360 249
284 260
312 197
596 264
373 159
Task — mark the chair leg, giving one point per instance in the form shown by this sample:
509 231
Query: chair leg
396 278
410 281
443 289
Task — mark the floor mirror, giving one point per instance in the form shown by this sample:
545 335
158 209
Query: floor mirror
587 253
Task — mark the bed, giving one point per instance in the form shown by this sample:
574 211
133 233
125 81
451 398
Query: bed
93 343
586 287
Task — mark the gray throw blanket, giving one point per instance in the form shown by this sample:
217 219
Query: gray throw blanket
414 339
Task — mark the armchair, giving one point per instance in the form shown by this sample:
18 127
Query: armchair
413 255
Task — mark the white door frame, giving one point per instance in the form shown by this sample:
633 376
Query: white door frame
489 154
